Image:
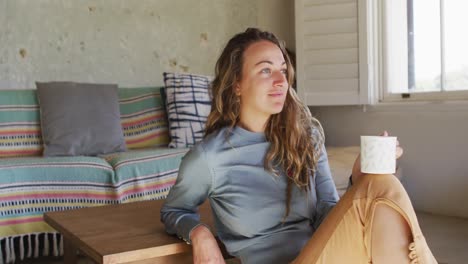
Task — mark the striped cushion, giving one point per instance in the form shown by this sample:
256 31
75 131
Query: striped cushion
20 132
145 173
188 104
143 117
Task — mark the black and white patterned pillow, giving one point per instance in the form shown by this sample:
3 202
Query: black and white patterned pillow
188 103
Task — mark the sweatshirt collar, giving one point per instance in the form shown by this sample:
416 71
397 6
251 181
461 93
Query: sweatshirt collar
249 135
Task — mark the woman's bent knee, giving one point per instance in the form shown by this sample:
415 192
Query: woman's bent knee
379 180
377 185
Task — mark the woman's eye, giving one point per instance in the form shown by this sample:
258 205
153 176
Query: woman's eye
284 71
266 70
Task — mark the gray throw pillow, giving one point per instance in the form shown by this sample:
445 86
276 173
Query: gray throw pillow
80 118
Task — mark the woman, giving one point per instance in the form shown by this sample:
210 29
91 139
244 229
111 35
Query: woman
264 168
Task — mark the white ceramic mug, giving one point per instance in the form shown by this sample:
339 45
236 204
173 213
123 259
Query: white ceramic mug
378 154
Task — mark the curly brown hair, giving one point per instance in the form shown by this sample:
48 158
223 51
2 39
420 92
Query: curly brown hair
295 136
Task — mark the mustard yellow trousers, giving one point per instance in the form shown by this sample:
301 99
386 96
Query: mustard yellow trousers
345 235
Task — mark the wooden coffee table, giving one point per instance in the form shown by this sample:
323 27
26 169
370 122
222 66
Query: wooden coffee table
124 233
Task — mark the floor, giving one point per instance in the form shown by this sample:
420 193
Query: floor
446 236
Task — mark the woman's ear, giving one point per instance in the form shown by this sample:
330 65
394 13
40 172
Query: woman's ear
237 89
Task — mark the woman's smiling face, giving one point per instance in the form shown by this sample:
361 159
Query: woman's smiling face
264 85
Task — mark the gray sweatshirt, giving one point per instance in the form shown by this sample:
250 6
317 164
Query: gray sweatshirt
248 202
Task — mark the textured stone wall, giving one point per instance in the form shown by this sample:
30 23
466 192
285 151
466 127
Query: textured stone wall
128 42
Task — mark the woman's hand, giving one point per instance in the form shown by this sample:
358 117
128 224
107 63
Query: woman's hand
357 164
205 248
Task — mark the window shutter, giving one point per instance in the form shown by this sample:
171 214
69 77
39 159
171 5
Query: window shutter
327 49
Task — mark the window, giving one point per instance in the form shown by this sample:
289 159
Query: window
420 50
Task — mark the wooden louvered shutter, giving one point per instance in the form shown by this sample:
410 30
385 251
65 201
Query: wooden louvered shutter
327 49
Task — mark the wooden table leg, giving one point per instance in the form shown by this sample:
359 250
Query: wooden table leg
69 252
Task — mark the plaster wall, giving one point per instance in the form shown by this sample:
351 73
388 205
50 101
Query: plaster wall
126 42
434 164
277 16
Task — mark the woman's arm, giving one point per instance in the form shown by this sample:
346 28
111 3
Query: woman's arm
327 196
356 172
180 211
205 246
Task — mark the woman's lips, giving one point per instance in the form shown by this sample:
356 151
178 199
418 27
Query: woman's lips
276 94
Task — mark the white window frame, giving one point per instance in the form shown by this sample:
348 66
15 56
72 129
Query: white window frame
374 75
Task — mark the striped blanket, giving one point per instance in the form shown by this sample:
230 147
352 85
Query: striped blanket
31 185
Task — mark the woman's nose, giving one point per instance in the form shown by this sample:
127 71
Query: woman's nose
280 79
